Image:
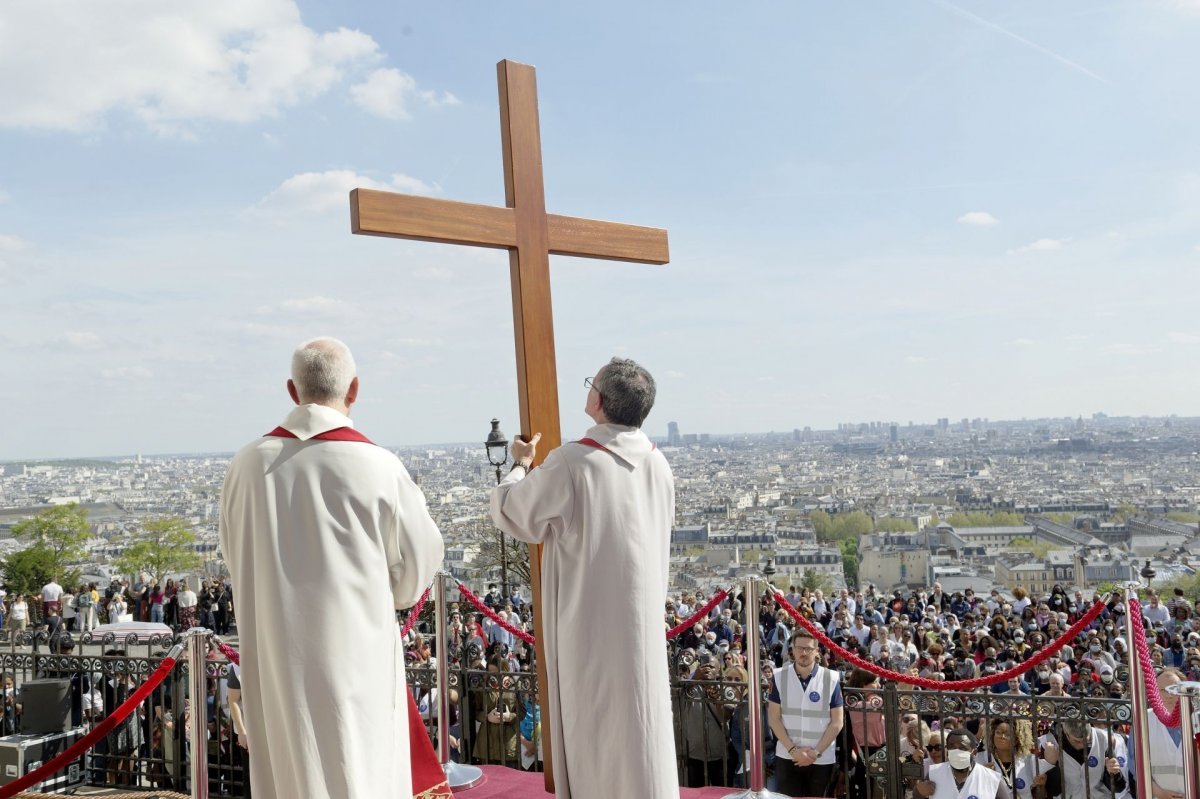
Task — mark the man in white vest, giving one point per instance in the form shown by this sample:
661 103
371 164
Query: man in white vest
1166 753
316 517
1088 762
805 713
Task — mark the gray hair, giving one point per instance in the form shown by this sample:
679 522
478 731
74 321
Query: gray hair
322 369
627 390
1076 728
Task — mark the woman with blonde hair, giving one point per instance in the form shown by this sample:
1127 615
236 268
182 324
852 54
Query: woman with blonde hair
1008 748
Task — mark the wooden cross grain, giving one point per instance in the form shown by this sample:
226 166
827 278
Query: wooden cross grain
530 235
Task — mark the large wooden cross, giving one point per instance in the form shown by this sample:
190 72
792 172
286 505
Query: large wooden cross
530 235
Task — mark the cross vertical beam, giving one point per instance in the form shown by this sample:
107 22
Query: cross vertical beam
533 321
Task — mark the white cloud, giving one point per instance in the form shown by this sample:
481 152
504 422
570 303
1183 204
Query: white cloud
127 373
1127 349
918 359
11 243
317 306
1195 249
1024 342
978 219
387 92
4 197
1041 245
320 192
672 374
165 63
1183 338
80 340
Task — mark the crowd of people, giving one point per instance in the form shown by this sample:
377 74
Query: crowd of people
929 634
84 607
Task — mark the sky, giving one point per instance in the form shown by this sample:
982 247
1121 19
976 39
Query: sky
883 211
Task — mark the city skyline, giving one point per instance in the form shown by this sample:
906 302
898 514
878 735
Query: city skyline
896 211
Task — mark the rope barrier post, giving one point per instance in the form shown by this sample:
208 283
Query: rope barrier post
1187 692
458 776
754 768
197 640
1138 703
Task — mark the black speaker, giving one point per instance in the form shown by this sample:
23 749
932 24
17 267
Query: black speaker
45 706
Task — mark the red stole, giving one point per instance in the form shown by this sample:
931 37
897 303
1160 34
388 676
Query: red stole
336 434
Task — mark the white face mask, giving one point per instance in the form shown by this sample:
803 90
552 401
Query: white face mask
958 759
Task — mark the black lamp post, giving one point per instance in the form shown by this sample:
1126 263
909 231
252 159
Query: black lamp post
1148 572
497 453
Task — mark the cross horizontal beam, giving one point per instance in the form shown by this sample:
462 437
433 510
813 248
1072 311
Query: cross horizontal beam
381 213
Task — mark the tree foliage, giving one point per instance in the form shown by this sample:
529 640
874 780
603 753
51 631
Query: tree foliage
57 538
1125 511
893 524
1186 518
849 550
814 580
1061 518
25 572
163 546
840 527
984 519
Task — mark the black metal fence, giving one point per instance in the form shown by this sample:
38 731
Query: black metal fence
889 737
153 747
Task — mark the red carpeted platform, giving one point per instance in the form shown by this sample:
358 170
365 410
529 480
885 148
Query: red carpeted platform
506 783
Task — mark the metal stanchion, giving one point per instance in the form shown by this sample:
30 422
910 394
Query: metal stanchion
458 776
198 692
1138 704
1187 692
754 768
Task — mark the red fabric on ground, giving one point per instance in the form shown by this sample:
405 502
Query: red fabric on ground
507 783
428 778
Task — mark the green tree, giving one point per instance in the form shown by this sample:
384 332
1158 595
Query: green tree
814 580
849 561
1061 518
1186 518
893 524
162 546
1125 511
822 524
25 572
58 537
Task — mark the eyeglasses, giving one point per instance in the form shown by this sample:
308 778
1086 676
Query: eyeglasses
587 383
934 747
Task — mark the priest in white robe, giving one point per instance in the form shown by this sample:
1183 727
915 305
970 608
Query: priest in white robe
603 508
325 535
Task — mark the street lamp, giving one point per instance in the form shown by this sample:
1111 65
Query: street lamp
1148 572
497 454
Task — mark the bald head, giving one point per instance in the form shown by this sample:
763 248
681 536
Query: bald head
323 373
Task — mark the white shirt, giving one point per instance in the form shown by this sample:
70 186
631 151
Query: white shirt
51 592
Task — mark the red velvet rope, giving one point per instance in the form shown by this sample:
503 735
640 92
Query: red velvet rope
228 651
1041 655
75 750
414 613
1169 718
491 614
699 615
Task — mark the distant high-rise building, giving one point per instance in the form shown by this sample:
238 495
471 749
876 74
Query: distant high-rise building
673 437
894 433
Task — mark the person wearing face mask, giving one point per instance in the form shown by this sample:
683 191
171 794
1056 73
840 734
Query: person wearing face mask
1175 656
1109 684
1096 653
960 775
